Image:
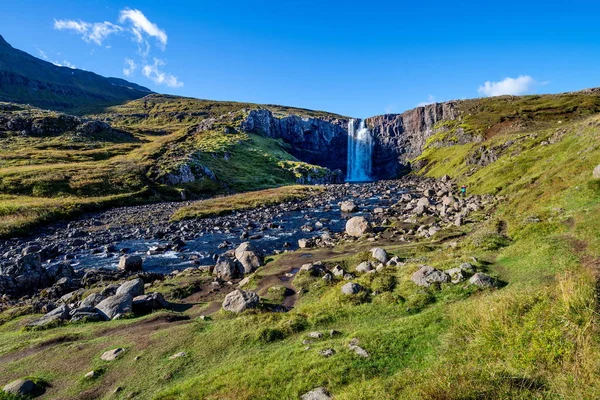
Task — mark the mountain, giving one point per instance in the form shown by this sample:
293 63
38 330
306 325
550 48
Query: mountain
29 80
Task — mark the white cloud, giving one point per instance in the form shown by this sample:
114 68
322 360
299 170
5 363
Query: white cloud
513 86
130 67
153 72
90 32
63 63
430 100
390 108
141 25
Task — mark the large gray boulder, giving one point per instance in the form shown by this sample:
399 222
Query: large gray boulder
364 267
112 355
348 207
240 300
426 276
596 172
92 300
23 387
130 263
358 226
55 316
227 268
133 288
319 393
351 288
115 306
248 256
483 280
379 254
149 302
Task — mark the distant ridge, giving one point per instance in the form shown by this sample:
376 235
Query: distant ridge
27 79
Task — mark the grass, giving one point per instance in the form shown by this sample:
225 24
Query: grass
535 338
243 201
56 176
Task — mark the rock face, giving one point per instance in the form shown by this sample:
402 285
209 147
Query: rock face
358 226
320 141
399 138
240 300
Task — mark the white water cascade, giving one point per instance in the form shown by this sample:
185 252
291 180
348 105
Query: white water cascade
360 148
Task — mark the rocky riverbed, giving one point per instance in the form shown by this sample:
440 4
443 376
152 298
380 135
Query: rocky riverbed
115 244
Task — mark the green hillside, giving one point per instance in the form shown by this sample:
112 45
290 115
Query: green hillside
535 338
28 80
59 172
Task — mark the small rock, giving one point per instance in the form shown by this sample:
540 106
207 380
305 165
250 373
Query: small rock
315 335
112 355
327 352
348 207
596 173
177 355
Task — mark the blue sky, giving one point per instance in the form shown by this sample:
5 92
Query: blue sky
355 58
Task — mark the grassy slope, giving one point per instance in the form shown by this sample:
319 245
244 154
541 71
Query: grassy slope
45 178
535 338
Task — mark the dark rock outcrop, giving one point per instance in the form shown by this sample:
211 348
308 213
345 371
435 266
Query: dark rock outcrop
398 138
320 141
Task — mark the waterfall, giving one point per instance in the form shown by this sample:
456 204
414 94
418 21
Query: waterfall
360 147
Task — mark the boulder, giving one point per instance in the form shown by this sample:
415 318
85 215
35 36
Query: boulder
456 274
423 202
115 306
92 300
87 316
306 243
483 280
130 263
337 271
364 267
112 355
55 316
23 387
319 393
149 302
133 288
348 207
351 288
248 256
426 276
596 173
353 345
228 268
240 300
379 254
358 226
467 267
